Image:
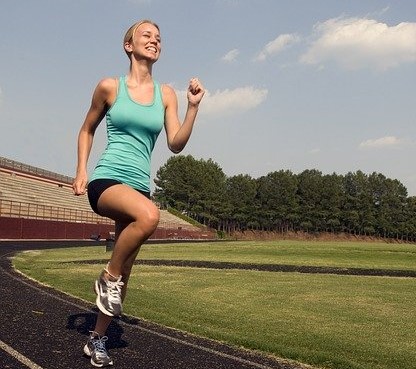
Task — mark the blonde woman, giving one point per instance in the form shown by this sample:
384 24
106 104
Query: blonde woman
136 108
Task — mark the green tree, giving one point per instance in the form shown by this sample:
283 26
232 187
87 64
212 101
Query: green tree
281 201
357 208
277 200
212 199
196 187
177 183
331 202
241 193
389 198
310 195
409 224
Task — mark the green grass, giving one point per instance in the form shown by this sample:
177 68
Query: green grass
335 254
330 321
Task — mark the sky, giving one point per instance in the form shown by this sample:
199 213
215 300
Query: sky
292 85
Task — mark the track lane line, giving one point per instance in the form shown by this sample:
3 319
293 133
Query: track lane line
147 330
18 356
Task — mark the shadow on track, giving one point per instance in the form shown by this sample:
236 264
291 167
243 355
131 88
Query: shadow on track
50 328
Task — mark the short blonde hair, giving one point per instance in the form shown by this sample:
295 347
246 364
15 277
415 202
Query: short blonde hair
129 36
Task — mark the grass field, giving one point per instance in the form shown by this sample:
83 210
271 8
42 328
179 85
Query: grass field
329 321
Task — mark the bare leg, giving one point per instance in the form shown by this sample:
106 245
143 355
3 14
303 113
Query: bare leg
103 321
136 219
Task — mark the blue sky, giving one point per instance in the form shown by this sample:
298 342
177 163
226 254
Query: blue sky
300 84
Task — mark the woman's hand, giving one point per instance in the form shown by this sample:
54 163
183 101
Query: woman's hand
79 186
195 91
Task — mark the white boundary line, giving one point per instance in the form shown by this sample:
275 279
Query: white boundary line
18 356
147 330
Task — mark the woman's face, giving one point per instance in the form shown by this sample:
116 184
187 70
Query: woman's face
146 42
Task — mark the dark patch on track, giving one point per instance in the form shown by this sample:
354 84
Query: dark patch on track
50 328
273 267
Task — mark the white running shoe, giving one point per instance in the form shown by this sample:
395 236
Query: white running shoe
109 295
95 349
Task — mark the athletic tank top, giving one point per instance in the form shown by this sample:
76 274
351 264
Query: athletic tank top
132 130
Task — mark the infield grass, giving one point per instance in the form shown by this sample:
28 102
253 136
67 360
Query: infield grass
329 321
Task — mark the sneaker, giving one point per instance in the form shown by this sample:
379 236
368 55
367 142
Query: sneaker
108 295
95 349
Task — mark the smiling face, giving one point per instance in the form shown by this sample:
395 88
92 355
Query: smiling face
142 40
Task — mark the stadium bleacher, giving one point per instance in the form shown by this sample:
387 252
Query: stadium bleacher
32 193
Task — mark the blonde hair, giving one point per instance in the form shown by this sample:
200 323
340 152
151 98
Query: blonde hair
129 36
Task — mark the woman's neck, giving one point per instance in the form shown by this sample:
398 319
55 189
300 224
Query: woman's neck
140 72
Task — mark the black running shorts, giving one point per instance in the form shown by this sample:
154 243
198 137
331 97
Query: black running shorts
98 186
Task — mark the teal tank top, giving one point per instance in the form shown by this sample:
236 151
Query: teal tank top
132 131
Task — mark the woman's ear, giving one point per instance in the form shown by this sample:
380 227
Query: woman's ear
128 47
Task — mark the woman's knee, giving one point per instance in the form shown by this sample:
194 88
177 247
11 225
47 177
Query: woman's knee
149 219
153 217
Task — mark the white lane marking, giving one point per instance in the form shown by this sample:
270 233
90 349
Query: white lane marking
147 330
18 356
202 348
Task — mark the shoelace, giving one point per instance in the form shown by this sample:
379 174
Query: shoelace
114 289
99 346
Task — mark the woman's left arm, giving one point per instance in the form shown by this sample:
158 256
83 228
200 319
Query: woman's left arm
178 134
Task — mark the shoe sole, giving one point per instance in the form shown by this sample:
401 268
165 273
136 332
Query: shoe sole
93 363
100 365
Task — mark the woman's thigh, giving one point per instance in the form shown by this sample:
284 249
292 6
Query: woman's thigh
124 204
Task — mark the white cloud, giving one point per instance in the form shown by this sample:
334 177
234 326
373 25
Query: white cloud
378 143
277 45
231 56
357 43
314 151
233 101
227 101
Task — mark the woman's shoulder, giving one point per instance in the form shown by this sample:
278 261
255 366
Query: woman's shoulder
108 84
167 90
166 87
168 94
106 90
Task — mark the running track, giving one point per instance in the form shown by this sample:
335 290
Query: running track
41 328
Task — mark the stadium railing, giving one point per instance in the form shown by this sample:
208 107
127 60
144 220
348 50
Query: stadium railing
17 209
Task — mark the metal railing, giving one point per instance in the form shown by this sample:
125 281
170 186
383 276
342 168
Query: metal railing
18 209
29 169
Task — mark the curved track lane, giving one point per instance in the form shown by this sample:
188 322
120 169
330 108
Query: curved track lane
41 328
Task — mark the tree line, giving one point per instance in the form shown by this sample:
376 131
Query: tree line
281 201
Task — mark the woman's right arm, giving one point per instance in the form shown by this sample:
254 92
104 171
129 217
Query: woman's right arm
102 98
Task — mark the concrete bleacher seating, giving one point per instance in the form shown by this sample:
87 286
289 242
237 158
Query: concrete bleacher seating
25 195
25 189
167 220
